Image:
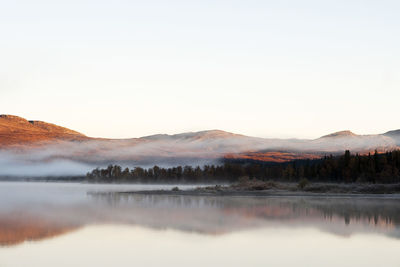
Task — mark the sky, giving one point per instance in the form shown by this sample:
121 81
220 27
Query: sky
263 68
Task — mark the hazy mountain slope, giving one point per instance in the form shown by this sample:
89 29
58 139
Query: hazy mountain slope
45 147
395 135
346 133
340 141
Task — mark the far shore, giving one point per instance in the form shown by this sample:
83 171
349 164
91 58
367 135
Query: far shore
249 187
267 193
275 189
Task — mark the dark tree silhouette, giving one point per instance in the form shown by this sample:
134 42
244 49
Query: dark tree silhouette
348 168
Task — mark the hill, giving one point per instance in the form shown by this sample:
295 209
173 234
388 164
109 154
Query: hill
36 142
15 130
346 133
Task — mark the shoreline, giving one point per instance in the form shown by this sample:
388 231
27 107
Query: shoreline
256 188
266 194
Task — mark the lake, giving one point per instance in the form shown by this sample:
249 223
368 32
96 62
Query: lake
73 224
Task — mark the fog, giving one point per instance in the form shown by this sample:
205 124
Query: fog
79 157
15 167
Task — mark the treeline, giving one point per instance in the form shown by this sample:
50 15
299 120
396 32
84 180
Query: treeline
348 168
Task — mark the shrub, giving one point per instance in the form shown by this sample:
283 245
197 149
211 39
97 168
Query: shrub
303 183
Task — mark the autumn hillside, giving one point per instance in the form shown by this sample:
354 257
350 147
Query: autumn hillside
15 130
188 148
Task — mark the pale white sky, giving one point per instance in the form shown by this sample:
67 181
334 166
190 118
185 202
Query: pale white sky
263 68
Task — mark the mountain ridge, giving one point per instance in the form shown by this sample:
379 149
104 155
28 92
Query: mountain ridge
18 125
393 133
344 133
56 142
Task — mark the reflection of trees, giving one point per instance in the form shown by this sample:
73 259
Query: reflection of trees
377 212
202 214
148 200
380 212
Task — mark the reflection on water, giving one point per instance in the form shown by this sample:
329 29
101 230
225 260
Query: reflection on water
219 215
69 215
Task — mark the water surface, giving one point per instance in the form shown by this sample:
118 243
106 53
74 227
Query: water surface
65 224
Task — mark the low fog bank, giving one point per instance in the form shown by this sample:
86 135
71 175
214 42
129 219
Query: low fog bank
11 166
78 157
52 162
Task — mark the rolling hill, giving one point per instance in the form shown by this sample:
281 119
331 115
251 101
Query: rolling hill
36 142
15 130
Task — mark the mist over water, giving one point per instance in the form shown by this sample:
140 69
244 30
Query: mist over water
59 217
79 157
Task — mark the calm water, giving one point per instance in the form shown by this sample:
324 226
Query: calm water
67 224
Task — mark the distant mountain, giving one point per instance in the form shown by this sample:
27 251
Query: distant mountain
202 135
394 135
340 134
35 142
343 140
